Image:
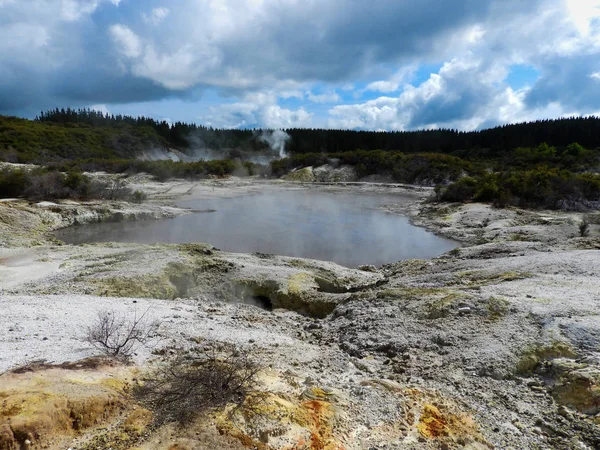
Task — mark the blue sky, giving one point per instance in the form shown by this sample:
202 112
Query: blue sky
382 64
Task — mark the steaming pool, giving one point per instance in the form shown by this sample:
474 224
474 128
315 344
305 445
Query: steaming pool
347 228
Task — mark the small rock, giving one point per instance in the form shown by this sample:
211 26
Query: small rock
564 412
464 310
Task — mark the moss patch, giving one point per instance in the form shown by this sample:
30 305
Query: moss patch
437 301
145 286
532 357
477 279
177 280
305 175
497 308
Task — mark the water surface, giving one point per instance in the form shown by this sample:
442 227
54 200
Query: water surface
347 228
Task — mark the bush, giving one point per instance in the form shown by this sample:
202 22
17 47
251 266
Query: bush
43 185
13 183
193 384
423 168
138 196
119 337
461 191
584 228
116 190
541 187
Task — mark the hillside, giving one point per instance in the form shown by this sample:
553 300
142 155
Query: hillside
60 135
24 141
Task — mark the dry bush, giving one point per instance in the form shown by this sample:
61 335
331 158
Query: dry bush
120 337
190 385
117 190
584 227
46 186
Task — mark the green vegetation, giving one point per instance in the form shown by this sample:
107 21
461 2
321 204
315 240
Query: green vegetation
426 168
523 177
46 184
28 141
497 308
538 164
533 356
541 187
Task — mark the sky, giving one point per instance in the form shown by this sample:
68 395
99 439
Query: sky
344 64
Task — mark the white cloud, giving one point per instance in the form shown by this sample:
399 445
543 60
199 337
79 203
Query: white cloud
465 94
274 116
257 109
100 108
330 97
130 45
394 83
582 13
74 10
156 16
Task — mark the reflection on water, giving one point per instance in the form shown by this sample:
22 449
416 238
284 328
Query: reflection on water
345 228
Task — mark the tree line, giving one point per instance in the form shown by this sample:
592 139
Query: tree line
482 143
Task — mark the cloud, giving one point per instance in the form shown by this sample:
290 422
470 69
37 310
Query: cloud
156 16
129 44
394 83
329 97
465 94
279 62
100 108
258 109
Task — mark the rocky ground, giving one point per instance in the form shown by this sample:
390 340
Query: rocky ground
493 345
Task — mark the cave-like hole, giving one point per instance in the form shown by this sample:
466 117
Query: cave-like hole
262 302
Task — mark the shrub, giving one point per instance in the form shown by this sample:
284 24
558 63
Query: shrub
44 185
487 189
116 190
12 183
117 336
461 191
196 383
584 228
541 187
138 196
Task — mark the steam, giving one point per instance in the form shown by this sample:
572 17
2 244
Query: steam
277 140
220 148
200 151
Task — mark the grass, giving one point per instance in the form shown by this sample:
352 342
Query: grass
474 279
437 301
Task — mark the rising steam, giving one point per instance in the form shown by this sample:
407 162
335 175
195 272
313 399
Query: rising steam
277 140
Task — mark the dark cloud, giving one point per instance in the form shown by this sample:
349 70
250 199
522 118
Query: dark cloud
81 52
569 81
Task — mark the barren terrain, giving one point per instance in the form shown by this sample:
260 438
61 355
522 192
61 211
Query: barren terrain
493 345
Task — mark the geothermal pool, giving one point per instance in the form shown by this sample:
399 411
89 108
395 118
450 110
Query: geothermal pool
347 228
